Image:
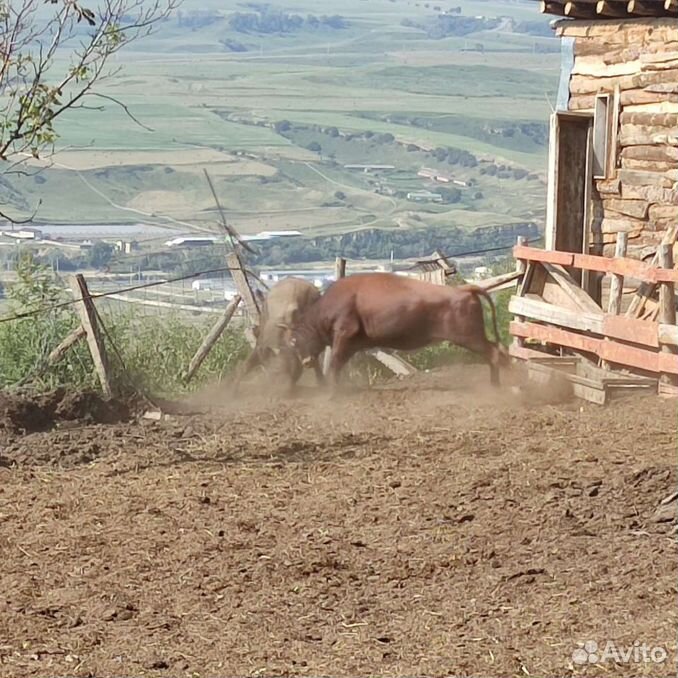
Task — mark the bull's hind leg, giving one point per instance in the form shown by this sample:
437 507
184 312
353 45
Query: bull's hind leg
490 351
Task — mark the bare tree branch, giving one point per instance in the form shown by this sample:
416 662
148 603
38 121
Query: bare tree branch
124 108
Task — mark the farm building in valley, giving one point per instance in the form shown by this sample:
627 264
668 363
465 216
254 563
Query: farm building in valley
603 290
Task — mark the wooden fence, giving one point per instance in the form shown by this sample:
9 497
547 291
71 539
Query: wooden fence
553 314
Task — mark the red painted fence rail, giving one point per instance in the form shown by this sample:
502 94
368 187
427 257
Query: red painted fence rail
592 262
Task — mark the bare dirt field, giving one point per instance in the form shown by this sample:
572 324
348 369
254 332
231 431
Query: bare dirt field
427 527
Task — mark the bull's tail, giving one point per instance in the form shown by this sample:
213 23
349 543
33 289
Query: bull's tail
480 292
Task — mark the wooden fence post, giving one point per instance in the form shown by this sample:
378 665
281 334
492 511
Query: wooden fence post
212 338
521 266
617 282
339 268
339 272
667 304
88 319
616 286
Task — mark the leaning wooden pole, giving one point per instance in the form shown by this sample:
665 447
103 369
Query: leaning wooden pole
212 338
242 284
73 338
88 318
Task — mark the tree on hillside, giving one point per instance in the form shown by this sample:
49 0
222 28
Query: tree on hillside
55 56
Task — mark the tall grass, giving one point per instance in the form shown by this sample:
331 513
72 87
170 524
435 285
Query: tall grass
150 353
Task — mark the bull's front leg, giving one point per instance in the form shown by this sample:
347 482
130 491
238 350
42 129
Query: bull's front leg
252 361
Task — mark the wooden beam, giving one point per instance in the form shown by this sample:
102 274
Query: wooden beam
611 351
549 256
212 338
524 353
573 292
667 305
617 282
593 262
73 338
395 363
625 329
88 319
668 334
555 315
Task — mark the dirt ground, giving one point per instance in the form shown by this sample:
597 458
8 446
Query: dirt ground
424 527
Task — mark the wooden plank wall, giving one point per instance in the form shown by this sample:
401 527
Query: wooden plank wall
636 62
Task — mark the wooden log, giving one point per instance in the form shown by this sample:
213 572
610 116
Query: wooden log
632 208
242 284
89 322
73 338
581 9
610 9
642 8
551 7
617 281
667 306
212 338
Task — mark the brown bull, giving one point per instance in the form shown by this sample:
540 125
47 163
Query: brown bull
383 310
282 307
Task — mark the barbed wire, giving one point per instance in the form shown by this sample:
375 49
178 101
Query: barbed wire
188 276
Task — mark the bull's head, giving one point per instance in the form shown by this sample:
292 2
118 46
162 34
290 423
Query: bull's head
302 343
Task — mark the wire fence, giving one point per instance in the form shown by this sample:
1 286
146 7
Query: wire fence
152 330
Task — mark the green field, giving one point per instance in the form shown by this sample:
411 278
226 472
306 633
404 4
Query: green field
486 92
